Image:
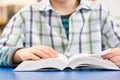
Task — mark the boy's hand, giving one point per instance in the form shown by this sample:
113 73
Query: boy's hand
114 56
34 53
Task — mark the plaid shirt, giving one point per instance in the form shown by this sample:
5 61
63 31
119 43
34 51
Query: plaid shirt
91 29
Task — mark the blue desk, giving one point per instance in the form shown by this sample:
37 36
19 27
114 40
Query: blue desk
9 74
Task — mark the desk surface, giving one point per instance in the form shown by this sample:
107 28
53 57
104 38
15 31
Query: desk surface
9 74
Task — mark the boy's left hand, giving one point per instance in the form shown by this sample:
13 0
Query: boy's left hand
114 56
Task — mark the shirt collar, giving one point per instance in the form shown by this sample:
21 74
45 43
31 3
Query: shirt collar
84 4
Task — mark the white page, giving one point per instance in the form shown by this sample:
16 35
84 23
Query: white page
99 54
91 59
58 63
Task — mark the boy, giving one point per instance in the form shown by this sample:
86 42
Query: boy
59 26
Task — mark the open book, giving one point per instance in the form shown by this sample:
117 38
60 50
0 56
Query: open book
78 61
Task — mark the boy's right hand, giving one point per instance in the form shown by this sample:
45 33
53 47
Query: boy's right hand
34 53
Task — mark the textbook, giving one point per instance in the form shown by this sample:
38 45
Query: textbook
78 61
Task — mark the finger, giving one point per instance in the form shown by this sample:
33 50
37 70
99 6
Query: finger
34 57
109 55
47 52
115 59
50 52
118 64
55 53
41 54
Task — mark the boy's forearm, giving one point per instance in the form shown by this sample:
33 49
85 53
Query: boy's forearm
6 57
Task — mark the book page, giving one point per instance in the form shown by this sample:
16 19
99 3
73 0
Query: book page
58 63
99 54
98 63
91 60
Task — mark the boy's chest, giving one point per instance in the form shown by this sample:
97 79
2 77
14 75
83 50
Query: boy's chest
84 29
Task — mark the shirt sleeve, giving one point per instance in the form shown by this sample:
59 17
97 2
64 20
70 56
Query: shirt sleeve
110 30
11 39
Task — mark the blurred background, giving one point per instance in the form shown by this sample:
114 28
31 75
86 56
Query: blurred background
113 6
9 7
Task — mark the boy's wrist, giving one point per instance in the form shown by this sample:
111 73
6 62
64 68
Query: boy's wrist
16 58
